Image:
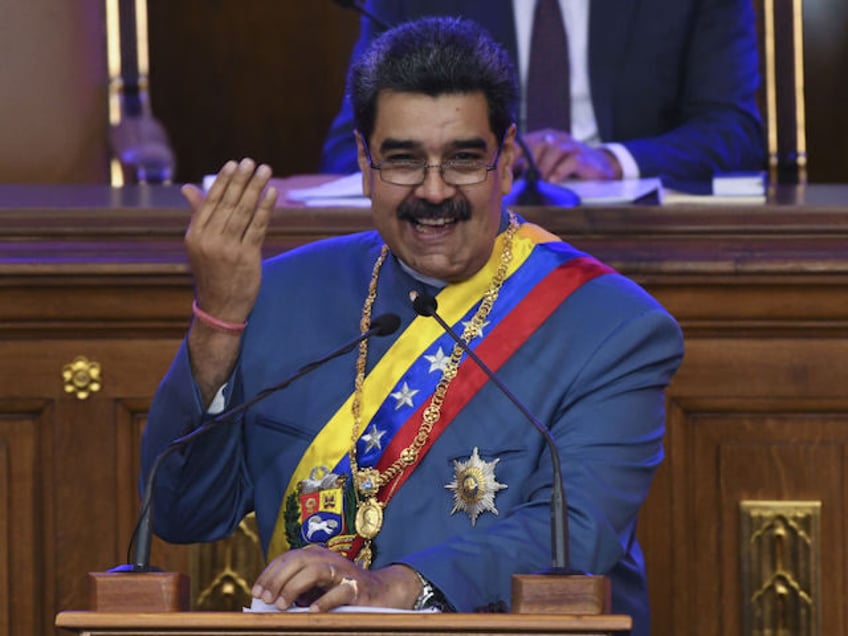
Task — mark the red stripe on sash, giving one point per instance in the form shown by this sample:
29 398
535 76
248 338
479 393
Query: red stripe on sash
495 349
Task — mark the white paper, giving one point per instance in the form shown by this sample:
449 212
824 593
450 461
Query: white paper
258 606
343 187
603 192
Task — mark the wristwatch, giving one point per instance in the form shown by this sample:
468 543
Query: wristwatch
431 597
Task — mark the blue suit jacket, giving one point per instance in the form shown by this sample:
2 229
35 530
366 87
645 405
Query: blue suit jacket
593 373
675 81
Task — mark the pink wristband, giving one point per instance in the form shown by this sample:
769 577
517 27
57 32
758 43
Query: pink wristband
211 321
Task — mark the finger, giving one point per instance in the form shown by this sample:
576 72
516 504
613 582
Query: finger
568 166
345 593
547 158
295 579
232 194
246 207
255 232
213 197
193 195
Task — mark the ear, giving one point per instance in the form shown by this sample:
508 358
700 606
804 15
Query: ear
507 160
364 166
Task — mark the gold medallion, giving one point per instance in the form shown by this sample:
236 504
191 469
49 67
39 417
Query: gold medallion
369 518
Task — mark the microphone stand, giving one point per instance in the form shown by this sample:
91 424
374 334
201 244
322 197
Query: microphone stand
145 588
532 190
560 588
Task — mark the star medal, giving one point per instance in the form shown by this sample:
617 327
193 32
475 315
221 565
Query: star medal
474 486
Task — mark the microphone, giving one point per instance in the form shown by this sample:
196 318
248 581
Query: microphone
533 190
352 4
383 325
425 305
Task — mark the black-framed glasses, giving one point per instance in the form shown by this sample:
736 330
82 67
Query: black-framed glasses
413 172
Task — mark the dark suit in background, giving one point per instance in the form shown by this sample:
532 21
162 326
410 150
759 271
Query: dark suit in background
674 81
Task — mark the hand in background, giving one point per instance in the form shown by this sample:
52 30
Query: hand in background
559 157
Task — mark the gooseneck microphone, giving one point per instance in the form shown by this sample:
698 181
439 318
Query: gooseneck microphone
383 325
531 189
425 305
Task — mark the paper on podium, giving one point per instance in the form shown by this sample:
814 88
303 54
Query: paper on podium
259 606
343 192
605 192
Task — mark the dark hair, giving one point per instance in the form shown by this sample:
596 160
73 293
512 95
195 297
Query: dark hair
434 56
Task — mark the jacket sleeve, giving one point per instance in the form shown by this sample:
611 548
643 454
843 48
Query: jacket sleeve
202 491
718 127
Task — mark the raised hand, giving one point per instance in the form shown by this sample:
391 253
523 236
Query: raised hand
224 245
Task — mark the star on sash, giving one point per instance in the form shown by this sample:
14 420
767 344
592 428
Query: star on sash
404 396
438 361
372 438
479 332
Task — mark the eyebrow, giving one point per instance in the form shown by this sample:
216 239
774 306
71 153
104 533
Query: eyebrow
476 143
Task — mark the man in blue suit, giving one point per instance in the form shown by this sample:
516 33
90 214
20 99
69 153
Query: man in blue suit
658 87
398 475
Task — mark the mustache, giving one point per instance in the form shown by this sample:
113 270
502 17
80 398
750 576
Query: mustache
415 209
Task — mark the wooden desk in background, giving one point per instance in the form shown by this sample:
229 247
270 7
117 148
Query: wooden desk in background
756 474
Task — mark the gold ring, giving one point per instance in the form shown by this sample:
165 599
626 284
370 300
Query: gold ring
354 585
332 573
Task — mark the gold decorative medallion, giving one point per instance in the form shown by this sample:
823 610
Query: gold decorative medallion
82 377
474 486
369 518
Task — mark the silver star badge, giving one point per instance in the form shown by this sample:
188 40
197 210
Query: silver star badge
474 486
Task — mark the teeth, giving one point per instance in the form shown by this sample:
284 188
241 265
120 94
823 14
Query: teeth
434 222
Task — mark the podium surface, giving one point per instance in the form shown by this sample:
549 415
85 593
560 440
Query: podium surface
328 624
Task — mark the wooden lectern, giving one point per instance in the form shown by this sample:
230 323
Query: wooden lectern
331 624
150 604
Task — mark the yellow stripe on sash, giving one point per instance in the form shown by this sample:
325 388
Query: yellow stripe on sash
334 440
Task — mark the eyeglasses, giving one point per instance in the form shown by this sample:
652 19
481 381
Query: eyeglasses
413 172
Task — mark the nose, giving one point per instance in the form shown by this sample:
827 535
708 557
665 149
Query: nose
434 188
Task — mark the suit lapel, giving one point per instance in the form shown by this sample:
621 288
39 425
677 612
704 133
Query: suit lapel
609 31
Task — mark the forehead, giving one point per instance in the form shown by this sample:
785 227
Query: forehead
432 122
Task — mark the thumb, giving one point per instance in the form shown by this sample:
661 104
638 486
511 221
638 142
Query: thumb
193 195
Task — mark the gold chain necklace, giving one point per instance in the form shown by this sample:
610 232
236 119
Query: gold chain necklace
368 481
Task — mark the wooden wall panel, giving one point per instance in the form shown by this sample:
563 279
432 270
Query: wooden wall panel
6 582
262 78
21 499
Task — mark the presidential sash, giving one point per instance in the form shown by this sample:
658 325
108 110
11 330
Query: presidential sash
319 505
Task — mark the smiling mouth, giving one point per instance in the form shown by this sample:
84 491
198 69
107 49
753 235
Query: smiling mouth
430 224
